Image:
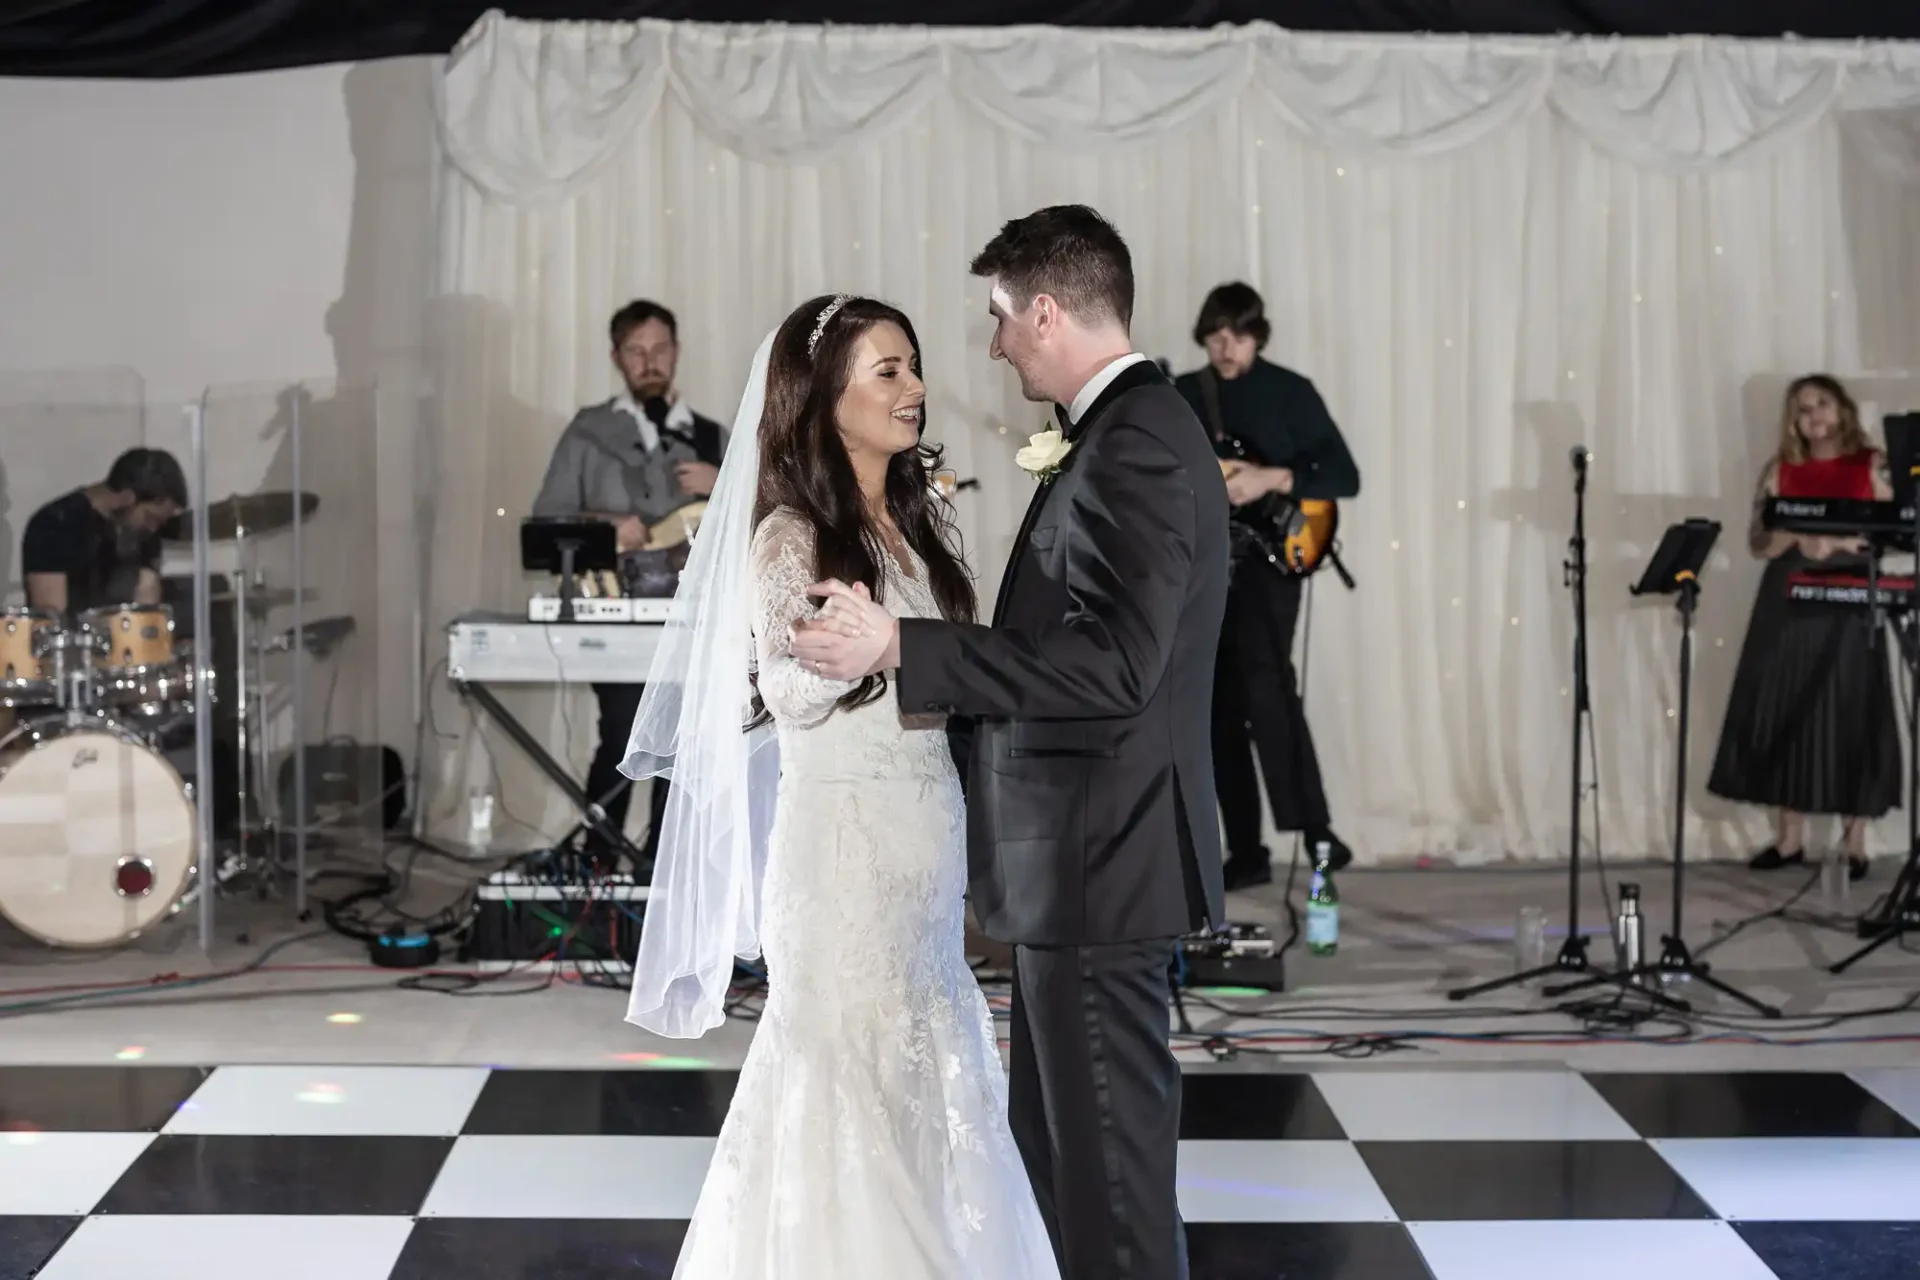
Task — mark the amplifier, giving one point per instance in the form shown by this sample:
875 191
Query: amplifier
349 784
525 918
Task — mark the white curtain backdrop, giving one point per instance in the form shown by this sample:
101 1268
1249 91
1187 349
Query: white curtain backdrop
1483 251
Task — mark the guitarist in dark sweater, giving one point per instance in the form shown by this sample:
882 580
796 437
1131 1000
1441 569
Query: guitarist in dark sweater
1273 425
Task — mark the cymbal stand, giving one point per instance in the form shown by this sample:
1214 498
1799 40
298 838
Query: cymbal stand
297 668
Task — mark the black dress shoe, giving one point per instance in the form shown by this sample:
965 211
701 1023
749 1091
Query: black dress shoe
1771 859
1856 867
1338 855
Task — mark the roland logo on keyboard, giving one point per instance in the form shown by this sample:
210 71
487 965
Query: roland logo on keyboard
1838 515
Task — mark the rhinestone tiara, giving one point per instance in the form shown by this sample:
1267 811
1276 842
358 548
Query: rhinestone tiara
826 313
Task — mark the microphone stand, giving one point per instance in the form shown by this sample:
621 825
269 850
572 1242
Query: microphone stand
1572 958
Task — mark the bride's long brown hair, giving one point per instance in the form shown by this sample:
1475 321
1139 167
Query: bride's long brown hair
804 467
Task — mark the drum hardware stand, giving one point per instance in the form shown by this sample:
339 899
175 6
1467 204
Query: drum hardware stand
1675 570
1572 958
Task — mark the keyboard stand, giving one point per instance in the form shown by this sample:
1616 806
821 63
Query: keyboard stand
593 818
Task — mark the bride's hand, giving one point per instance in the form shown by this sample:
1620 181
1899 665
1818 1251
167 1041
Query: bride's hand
849 638
846 611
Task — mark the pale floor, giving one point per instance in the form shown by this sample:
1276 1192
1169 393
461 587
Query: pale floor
1407 937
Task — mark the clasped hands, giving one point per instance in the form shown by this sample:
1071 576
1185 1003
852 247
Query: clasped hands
849 637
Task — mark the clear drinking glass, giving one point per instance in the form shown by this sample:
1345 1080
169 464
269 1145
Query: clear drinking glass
1529 938
1836 889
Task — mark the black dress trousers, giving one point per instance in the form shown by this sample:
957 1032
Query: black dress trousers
1257 707
1094 1104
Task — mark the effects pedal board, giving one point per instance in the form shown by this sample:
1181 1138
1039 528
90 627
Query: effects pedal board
520 919
1238 955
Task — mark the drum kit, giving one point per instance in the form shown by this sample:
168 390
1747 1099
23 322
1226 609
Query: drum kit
99 834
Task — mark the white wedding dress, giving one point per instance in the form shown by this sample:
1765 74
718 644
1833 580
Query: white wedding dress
867 1138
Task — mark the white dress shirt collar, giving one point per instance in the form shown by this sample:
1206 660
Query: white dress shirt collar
1100 382
679 417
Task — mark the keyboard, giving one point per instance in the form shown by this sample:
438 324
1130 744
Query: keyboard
504 649
1848 590
601 609
1836 516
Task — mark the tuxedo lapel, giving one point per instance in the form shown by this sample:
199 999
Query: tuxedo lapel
1039 500
1139 374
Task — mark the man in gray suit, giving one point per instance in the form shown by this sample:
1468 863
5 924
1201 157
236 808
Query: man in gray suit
631 461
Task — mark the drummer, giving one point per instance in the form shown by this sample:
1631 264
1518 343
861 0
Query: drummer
100 545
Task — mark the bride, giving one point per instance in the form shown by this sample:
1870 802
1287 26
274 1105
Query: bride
868 1133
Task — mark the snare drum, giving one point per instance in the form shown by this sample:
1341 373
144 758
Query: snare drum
98 840
26 672
133 661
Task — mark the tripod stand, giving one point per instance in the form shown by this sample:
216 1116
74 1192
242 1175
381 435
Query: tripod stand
1675 570
1572 957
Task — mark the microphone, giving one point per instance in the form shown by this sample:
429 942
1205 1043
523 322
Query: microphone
656 409
1578 455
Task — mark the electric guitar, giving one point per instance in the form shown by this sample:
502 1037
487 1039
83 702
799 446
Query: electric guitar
1294 535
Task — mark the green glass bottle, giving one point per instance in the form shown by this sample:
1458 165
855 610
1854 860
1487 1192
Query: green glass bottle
1323 904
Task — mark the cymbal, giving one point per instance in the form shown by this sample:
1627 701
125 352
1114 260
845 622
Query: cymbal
255 513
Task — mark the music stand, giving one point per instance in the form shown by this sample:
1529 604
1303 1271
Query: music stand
1675 570
568 546
1902 915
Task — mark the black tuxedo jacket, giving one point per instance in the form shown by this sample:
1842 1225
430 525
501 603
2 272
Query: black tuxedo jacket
1091 813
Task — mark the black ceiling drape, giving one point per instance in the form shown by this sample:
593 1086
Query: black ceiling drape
162 38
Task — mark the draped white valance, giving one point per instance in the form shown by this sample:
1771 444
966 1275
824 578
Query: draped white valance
530 110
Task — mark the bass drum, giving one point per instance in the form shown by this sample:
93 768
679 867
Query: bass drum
98 840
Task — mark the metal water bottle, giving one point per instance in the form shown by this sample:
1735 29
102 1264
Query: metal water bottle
1628 931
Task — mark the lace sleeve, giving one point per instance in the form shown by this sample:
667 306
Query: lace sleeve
782 571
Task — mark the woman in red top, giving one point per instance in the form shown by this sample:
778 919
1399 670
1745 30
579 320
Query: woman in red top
1810 727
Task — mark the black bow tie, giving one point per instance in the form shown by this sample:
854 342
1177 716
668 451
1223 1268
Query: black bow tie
1061 416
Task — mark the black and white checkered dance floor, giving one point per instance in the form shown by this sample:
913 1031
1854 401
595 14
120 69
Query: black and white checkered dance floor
443 1173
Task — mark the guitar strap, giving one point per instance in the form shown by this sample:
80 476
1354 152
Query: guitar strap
1210 397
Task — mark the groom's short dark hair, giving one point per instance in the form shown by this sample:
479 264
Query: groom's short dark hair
1069 253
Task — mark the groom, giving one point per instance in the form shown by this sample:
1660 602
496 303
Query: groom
1093 838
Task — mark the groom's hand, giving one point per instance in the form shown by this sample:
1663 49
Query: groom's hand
850 637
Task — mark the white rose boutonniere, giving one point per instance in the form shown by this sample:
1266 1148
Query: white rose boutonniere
1043 454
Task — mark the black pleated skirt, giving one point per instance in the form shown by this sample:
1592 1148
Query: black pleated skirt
1811 725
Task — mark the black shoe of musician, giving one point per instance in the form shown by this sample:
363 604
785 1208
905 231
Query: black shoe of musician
1247 871
1771 859
1338 855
